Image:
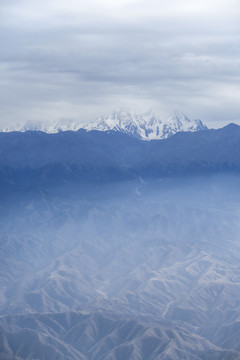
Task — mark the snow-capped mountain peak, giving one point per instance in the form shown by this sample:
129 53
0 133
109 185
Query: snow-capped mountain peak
136 124
146 126
47 127
178 121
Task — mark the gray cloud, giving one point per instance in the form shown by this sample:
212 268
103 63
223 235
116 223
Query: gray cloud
67 60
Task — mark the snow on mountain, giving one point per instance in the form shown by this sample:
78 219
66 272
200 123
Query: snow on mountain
178 121
139 125
146 125
142 125
50 127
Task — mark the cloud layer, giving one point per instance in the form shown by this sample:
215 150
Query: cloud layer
63 59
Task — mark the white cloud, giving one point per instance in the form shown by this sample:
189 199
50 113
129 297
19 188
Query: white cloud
62 57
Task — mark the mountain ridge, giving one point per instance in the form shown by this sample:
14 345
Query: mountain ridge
34 159
144 126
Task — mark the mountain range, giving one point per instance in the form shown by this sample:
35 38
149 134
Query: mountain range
34 157
141 125
117 248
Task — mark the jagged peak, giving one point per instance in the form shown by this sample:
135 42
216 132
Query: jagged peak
177 115
145 125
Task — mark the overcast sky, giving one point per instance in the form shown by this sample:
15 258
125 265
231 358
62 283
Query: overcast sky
66 59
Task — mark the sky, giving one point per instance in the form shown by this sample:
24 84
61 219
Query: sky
69 59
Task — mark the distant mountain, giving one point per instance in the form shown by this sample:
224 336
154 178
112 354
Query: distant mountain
145 126
50 127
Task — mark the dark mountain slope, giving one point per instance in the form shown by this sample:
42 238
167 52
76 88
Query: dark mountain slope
39 159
